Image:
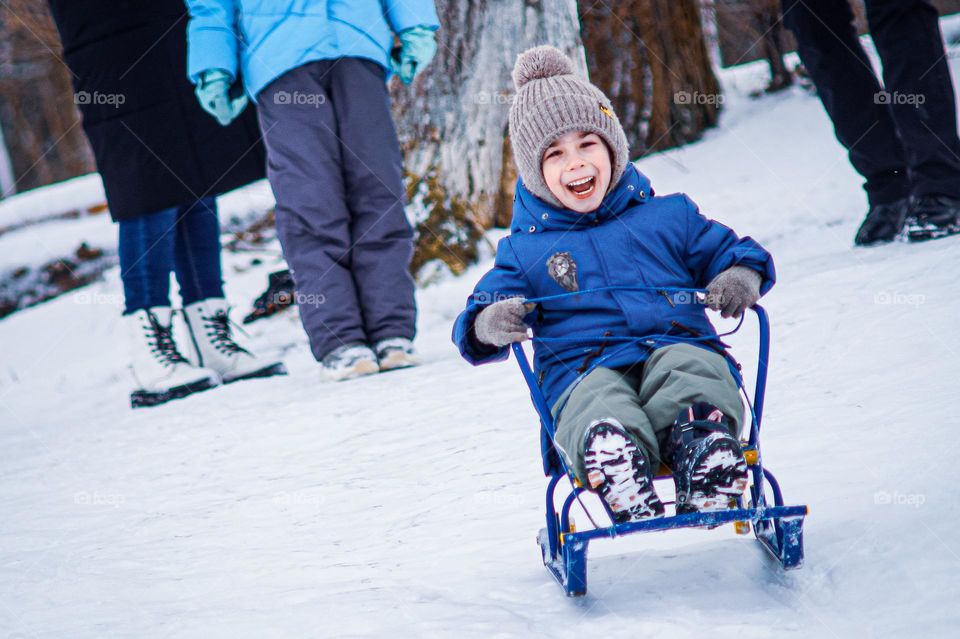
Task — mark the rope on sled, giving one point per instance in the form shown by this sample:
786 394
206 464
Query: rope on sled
604 289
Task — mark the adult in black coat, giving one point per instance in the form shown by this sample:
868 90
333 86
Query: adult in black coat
155 147
163 161
902 137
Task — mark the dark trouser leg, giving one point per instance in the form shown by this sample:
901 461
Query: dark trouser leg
304 166
917 79
146 259
849 89
197 251
381 237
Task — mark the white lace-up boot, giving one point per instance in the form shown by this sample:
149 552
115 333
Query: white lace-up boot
214 345
160 371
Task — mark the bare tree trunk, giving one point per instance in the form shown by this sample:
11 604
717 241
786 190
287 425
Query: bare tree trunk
651 58
711 32
38 116
766 14
751 30
8 182
452 121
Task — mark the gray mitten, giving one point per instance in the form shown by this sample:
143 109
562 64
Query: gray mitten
501 323
734 290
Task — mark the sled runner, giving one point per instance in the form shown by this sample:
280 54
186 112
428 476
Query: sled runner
778 527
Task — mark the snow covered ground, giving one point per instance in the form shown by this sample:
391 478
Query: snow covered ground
406 505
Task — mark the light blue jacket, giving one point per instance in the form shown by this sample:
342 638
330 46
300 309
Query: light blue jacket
266 38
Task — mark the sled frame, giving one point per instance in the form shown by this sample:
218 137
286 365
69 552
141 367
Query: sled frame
778 527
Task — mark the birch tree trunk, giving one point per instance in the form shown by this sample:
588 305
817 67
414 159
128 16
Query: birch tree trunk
452 121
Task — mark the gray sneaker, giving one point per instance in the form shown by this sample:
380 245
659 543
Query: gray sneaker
394 353
349 361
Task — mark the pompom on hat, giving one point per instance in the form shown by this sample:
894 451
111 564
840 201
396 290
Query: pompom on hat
552 100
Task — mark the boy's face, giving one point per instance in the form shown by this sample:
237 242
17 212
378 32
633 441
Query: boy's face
576 168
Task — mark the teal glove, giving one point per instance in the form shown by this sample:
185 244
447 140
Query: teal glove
417 47
213 92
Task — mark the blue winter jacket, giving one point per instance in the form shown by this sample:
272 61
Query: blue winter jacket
632 239
267 38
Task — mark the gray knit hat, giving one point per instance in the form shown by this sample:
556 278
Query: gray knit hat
553 100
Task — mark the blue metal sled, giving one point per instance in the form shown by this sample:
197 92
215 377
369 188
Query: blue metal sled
778 527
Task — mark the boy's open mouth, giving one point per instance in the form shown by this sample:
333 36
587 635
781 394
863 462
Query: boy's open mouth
583 187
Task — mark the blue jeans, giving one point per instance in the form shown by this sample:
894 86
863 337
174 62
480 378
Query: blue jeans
182 239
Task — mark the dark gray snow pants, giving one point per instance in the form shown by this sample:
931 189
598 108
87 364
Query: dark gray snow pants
334 163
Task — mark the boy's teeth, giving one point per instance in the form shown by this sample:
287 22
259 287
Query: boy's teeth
581 187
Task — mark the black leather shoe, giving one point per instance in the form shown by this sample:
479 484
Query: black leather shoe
883 223
933 217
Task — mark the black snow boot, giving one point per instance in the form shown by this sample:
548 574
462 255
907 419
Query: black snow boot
279 295
883 223
707 461
933 217
618 469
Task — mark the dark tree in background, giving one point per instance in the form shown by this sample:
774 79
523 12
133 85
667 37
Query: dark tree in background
650 57
772 42
39 119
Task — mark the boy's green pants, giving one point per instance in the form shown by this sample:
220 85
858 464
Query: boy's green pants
646 399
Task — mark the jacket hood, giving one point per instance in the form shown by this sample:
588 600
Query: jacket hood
533 215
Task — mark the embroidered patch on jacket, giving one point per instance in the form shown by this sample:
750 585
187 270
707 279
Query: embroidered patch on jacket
563 270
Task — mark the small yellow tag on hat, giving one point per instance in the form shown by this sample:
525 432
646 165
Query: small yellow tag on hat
607 112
